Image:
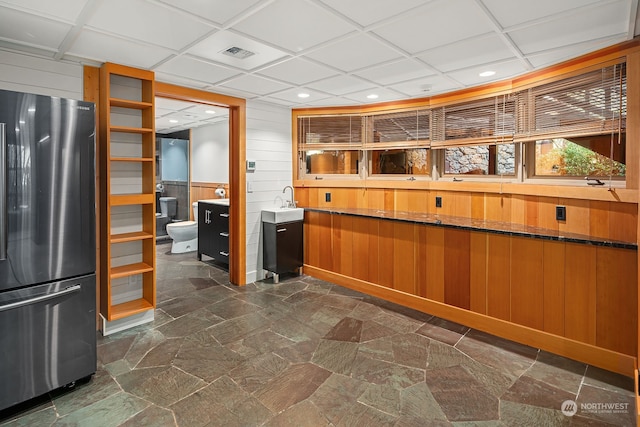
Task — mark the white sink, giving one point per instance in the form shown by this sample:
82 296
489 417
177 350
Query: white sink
224 202
279 215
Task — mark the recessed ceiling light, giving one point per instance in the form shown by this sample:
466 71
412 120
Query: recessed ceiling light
173 121
210 112
372 96
303 95
487 73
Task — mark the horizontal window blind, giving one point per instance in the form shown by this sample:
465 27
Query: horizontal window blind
589 104
488 121
339 132
397 130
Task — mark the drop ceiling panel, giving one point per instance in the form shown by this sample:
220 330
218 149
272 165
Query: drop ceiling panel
465 53
426 87
31 30
255 84
354 53
555 56
218 11
196 69
180 81
331 102
510 13
341 85
67 10
437 24
293 24
504 70
213 46
148 22
395 72
291 96
173 105
367 12
594 23
384 95
298 71
104 48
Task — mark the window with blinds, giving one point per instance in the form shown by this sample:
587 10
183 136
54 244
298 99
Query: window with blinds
340 132
488 121
589 104
398 129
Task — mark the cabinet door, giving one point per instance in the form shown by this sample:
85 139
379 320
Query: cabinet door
205 229
283 246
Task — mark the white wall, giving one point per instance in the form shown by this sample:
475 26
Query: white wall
269 145
24 73
210 153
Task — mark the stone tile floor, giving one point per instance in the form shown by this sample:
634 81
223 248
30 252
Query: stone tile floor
309 353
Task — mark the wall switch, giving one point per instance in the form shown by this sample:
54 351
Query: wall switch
327 197
249 187
561 213
438 202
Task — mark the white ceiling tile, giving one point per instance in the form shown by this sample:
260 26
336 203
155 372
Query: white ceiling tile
298 71
180 81
31 30
504 70
291 96
67 10
405 69
213 46
547 58
330 102
384 95
255 84
293 24
466 53
201 110
103 48
196 69
218 11
172 105
510 13
278 101
340 85
590 24
149 22
426 86
437 24
354 53
367 12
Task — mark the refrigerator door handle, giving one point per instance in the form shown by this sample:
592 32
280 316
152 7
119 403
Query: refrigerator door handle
3 192
65 291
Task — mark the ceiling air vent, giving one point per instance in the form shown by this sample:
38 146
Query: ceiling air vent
238 52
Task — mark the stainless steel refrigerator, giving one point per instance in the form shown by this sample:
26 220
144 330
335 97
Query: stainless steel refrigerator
47 244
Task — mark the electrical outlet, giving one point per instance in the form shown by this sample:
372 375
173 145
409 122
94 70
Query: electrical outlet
438 202
561 213
327 197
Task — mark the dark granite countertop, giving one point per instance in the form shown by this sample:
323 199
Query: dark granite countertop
497 227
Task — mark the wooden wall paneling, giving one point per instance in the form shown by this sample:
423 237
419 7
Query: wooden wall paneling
527 284
518 209
361 196
435 263
580 293
302 194
498 276
421 264
478 272
457 269
386 253
599 218
462 204
497 207
402 198
547 213
623 222
448 203
375 198
418 201
578 216
616 309
531 211
325 242
477 205
336 242
361 247
342 197
389 199
373 226
554 286
404 256
344 247
312 238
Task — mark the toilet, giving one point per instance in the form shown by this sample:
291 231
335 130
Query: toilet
183 233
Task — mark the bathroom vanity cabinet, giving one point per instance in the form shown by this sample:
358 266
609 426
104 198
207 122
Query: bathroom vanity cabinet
282 247
213 231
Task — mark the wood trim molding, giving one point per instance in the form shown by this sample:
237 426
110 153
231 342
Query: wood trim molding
602 358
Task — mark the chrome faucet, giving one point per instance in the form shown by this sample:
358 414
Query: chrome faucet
290 203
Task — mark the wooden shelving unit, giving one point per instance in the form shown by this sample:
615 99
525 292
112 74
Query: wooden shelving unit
127 203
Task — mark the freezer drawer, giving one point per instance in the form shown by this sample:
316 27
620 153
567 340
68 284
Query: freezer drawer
47 338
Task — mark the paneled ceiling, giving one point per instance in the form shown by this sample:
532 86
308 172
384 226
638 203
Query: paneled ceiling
338 52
